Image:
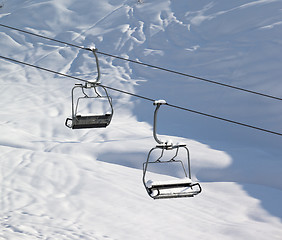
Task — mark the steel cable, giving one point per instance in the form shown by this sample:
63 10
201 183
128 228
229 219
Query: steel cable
147 98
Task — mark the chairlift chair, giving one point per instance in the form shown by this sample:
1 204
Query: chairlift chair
82 120
90 120
178 187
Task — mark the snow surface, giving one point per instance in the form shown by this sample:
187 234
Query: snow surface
58 183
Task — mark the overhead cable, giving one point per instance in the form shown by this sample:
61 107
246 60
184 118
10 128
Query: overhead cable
149 65
147 98
41 36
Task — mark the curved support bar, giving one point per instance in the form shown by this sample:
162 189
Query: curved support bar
155 125
109 99
97 64
158 104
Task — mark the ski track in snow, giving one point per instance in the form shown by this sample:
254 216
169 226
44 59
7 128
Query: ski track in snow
58 183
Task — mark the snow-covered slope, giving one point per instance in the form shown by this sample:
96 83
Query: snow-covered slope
58 183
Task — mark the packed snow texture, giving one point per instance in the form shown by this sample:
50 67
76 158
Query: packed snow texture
58 183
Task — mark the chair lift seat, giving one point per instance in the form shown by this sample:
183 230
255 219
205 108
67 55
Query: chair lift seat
173 188
78 120
91 121
183 182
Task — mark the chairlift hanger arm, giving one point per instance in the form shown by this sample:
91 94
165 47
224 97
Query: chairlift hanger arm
94 50
158 103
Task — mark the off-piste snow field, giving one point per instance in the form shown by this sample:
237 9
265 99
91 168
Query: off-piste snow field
62 183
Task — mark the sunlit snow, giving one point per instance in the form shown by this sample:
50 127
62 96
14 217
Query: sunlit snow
59 183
